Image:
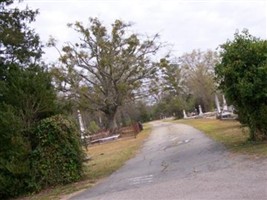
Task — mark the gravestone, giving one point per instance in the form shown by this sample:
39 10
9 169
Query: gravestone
225 107
217 104
185 116
82 129
200 110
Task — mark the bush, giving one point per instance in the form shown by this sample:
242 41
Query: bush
57 155
242 76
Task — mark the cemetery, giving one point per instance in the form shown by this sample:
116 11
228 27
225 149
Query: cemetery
223 112
177 88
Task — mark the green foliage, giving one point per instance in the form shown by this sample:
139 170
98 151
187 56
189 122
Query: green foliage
14 150
174 95
172 87
184 83
30 92
93 127
26 97
173 82
144 115
198 73
169 107
25 84
18 43
242 77
56 156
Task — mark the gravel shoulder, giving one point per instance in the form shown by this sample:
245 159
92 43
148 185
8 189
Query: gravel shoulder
179 162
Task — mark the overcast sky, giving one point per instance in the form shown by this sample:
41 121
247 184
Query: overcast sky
187 25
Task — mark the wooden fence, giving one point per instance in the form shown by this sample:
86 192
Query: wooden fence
128 131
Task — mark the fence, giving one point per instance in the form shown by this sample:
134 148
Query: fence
128 131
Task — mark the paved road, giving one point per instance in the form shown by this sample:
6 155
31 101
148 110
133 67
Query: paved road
179 162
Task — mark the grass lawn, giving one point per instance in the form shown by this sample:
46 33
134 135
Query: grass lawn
106 158
230 133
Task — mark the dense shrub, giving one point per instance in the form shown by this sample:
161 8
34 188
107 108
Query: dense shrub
27 96
54 155
242 76
57 155
14 151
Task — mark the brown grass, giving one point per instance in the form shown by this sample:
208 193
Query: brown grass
108 157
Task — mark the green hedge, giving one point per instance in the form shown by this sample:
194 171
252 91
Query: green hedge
57 155
49 155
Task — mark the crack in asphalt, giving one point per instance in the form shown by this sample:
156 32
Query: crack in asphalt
165 165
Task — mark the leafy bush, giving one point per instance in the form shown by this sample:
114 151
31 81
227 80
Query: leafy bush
57 155
51 155
242 76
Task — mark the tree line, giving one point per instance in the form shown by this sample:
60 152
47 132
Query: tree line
111 69
115 77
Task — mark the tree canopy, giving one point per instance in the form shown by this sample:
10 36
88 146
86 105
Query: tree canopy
198 72
19 43
184 83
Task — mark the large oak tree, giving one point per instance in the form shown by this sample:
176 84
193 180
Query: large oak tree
107 66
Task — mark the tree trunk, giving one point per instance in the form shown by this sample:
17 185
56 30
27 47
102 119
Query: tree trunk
111 124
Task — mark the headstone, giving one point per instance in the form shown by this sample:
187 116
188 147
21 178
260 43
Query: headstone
200 110
82 129
217 104
100 120
225 107
185 116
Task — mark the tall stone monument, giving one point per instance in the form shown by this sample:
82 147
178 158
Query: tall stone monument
225 107
82 129
185 116
217 104
200 110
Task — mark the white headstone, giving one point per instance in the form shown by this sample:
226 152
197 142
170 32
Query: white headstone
200 110
100 120
217 104
185 116
82 129
225 107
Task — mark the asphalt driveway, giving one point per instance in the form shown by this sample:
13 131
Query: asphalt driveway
180 162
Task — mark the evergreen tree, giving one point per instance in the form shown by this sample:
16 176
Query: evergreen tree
26 96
